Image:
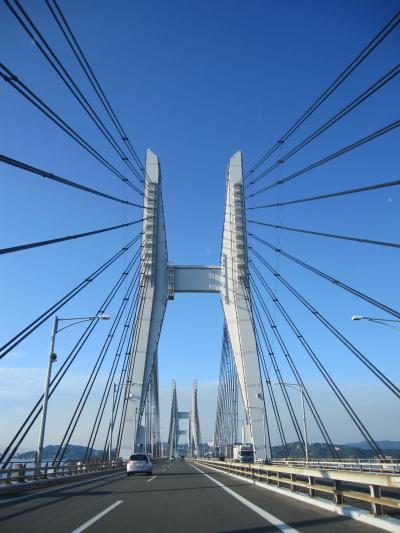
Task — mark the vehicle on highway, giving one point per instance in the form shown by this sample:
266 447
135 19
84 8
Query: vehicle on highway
139 463
244 453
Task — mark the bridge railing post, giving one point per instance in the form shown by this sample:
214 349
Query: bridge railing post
337 492
20 472
311 481
376 508
8 476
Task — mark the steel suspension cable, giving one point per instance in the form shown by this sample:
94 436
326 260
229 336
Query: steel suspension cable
356 144
274 404
108 385
220 407
221 410
226 416
81 58
381 82
96 367
57 378
330 235
328 378
231 408
38 244
271 393
30 328
134 309
381 35
355 351
122 378
90 446
68 80
10 78
131 361
330 195
335 281
293 367
108 388
49 175
280 379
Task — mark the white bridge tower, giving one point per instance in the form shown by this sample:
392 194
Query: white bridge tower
160 281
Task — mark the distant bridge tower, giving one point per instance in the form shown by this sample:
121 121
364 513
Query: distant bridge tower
173 435
194 426
160 281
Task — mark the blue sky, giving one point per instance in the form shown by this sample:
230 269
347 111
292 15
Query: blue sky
195 81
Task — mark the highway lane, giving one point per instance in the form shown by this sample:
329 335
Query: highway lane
178 499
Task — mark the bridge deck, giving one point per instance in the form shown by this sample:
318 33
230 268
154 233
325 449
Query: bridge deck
178 499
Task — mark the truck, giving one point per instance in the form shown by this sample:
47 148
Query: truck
243 453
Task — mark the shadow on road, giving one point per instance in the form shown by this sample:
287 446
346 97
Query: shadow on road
65 493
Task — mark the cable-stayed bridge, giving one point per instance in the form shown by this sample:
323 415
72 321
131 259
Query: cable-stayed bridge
192 432
265 394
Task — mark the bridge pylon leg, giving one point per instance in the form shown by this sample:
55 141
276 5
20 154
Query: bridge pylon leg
151 307
236 303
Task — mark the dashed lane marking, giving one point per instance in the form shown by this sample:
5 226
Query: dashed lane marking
97 517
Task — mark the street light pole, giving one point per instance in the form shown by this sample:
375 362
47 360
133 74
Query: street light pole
304 421
52 359
112 421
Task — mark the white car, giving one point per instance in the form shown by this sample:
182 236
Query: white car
139 463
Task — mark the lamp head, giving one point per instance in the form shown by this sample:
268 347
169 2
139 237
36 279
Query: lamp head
357 317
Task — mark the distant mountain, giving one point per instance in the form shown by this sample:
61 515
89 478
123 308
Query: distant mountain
73 452
383 444
344 451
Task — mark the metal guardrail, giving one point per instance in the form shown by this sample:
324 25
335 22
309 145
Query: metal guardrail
358 465
342 486
21 472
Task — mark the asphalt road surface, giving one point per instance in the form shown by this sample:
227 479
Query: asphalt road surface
179 498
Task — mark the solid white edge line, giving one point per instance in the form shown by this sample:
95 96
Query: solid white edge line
385 523
151 479
277 522
97 517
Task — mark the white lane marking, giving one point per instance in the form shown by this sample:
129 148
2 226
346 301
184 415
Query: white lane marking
151 479
97 517
264 514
